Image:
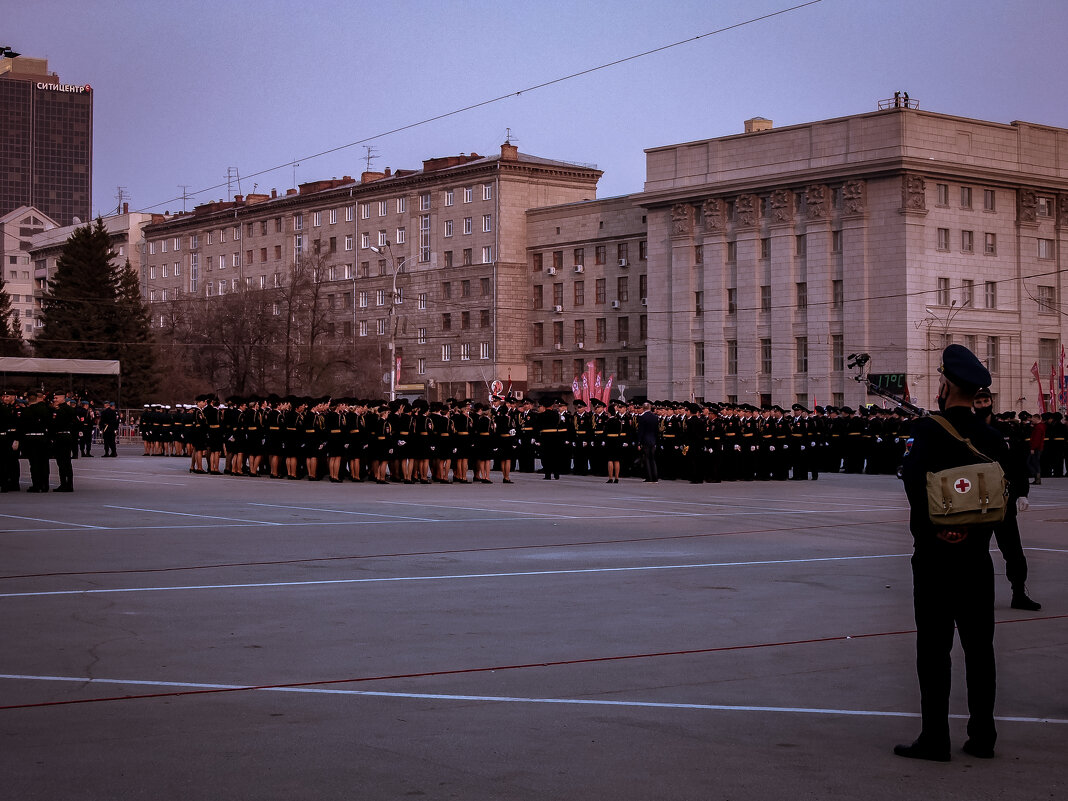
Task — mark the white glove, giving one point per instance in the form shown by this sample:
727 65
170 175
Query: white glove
737 447
771 448
1022 504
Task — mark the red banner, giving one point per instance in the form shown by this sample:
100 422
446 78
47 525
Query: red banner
1041 394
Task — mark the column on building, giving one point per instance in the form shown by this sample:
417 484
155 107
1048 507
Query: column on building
685 283
717 279
749 276
783 273
823 267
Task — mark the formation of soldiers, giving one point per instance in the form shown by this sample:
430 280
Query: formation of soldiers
461 441
43 427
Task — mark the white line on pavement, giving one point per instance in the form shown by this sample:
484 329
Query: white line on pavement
514 699
460 576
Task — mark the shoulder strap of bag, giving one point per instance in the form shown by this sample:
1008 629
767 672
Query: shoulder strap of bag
953 432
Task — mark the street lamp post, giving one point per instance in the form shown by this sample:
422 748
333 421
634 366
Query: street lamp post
395 268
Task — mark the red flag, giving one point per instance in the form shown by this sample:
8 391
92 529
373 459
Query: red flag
585 388
597 386
1041 394
398 368
576 390
1064 389
588 385
607 394
1052 391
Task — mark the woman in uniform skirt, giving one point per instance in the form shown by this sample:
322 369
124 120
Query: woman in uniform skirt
379 447
482 443
615 443
355 438
461 426
400 420
419 448
442 441
336 439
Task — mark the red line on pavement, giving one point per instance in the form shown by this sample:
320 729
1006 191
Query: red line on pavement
427 674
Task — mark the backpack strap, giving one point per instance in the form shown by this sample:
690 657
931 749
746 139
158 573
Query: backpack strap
953 433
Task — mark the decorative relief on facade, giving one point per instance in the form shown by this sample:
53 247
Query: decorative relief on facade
1028 212
681 219
1062 211
854 197
913 193
747 210
817 206
782 206
712 212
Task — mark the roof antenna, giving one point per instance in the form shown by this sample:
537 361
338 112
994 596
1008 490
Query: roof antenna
369 156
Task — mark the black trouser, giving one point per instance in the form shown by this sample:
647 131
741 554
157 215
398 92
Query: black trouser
649 461
958 591
35 449
63 447
1007 535
9 465
109 444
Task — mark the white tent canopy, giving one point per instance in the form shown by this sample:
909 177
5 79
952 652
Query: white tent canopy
12 364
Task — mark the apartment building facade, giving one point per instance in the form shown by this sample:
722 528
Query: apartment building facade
776 253
431 261
18 230
589 280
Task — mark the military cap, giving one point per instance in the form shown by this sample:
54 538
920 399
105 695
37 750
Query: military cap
984 392
846 410
580 404
961 367
1025 415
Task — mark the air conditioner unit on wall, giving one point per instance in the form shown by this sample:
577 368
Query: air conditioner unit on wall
580 345
579 268
615 304
623 263
558 309
558 346
645 301
550 270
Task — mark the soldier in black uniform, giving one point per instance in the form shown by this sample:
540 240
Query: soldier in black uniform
63 432
953 576
9 434
109 428
33 438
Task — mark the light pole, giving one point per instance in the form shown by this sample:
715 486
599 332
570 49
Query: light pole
395 268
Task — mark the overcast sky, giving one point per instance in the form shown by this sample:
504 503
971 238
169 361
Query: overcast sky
188 89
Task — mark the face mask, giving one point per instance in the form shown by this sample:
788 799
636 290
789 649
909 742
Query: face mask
942 398
986 413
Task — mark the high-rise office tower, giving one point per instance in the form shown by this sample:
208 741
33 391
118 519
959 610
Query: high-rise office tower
46 141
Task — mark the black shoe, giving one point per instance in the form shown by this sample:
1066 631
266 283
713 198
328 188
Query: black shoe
918 750
978 750
64 488
37 489
1020 600
507 481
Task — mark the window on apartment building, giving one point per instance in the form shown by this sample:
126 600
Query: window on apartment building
732 357
600 254
993 351
465 320
537 262
263 255
446 290
446 321
363 300
602 329
600 291
765 299
487 223
448 259
485 287
1045 207
538 335
580 293
424 238
732 252
539 300
580 330
699 358
943 239
643 249
317 219
942 292
487 191
732 300
990 244
448 228
837 352
622 289
989 200
765 248
698 303
580 256
698 254
467 225
558 333
802 245
990 294
801 348
965 197
424 201
622 252
1046 249
802 295
765 356
1047 299
967 241
558 294
449 197
487 254
446 353
484 318
401 236
943 194
967 292
643 327
623 329
836 241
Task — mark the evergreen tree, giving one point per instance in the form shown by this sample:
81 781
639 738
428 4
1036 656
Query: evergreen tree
78 314
11 343
94 310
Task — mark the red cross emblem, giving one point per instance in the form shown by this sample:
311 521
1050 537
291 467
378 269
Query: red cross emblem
962 485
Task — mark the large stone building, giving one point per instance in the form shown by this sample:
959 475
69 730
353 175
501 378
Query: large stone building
433 261
46 141
776 253
589 279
